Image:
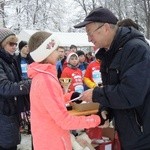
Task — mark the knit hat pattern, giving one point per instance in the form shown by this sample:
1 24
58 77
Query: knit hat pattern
45 49
4 33
22 44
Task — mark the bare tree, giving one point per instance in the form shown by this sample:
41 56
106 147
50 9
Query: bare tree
2 15
146 9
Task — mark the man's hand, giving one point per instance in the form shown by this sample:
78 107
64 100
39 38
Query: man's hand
87 95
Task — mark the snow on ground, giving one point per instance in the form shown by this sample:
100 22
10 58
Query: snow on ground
25 142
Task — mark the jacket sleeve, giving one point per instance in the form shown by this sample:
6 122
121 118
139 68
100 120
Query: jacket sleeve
54 104
89 83
133 84
9 88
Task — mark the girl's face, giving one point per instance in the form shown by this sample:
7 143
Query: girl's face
74 60
52 58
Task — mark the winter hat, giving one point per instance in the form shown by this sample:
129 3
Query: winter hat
79 53
100 14
4 33
70 54
22 44
42 44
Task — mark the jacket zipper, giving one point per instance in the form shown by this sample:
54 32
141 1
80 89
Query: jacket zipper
139 124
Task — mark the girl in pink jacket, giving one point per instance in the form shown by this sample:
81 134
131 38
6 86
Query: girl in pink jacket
50 121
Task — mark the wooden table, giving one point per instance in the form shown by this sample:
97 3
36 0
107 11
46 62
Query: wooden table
83 113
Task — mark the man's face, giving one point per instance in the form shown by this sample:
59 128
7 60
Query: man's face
61 52
96 33
25 50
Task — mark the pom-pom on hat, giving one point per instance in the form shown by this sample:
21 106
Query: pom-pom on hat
70 54
4 33
100 14
48 42
22 44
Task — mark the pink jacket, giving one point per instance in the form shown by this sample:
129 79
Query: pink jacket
50 120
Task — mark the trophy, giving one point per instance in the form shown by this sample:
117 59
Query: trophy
65 82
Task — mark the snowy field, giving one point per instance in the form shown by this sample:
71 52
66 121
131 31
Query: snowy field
25 142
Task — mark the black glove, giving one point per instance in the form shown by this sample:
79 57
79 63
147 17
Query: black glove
74 95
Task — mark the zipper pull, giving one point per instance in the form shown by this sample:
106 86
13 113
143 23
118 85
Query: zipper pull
141 127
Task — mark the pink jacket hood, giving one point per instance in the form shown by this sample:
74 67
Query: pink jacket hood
35 68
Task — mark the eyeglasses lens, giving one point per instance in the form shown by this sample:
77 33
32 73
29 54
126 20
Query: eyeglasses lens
12 44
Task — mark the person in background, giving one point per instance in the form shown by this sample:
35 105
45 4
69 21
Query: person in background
50 121
125 75
67 51
61 60
12 90
73 48
89 57
82 64
24 59
72 71
92 77
128 23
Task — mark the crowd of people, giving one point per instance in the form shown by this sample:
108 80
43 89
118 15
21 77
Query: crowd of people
116 76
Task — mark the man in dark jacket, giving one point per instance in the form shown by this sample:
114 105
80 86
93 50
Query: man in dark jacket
12 89
126 77
24 59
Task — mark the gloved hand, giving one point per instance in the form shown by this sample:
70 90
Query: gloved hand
74 95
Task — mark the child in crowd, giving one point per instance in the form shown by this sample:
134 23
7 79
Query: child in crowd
50 121
92 77
82 61
89 57
72 71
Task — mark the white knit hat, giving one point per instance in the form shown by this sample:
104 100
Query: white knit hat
45 49
70 54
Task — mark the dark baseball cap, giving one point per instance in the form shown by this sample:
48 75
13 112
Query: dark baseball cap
100 14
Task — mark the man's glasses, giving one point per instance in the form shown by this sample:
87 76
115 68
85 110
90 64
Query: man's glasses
12 44
91 33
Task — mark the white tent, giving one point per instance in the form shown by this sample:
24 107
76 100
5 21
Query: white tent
66 39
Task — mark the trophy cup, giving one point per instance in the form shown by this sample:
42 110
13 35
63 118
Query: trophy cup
65 82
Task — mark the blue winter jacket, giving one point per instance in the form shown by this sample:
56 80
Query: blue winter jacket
125 73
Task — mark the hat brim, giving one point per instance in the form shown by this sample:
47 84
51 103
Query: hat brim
82 24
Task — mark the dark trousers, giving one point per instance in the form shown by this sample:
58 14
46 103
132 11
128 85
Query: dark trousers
12 148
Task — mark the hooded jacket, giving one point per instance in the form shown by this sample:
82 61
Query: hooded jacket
50 120
126 91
